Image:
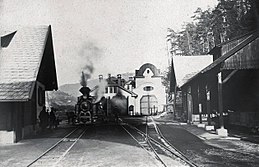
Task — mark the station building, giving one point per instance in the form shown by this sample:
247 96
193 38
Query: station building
184 68
27 70
142 94
150 90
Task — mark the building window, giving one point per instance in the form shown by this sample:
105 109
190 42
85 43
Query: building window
131 108
6 40
40 96
111 91
106 90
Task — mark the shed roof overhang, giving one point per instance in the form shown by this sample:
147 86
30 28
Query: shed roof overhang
16 92
230 53
218 65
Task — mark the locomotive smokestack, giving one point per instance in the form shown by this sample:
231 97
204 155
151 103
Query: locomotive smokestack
83 80
86 73
84 90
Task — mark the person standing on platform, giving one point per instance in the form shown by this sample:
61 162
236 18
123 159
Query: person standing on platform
52 118
43 119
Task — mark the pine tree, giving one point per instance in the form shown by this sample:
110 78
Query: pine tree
229 19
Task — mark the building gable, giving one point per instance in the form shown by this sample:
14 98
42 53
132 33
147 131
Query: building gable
21 62
47 72
139 73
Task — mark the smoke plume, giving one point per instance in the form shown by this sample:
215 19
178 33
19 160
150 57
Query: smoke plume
119 103
89 54
86 74
100 90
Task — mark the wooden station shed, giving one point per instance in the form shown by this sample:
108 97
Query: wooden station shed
228 87
185 67
27 70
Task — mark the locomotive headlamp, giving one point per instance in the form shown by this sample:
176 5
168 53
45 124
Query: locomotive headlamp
85 106
84 97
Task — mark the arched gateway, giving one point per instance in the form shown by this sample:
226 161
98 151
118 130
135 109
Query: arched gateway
148 105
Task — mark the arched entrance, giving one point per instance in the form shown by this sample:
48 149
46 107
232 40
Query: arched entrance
148 105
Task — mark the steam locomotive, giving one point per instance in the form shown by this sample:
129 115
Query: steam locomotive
84 107
86 110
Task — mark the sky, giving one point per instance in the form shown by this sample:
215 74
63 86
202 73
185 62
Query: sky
115 36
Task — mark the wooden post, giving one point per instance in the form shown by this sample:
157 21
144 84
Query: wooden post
199 105
175 94
189 104
220 100
128 105
221 131
208 104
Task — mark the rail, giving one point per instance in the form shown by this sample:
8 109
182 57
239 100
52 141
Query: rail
58 158
181 155
165 144
147 146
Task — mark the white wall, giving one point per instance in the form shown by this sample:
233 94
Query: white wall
158 91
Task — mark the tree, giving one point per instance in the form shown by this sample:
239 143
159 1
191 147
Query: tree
229 19
166 79
204 34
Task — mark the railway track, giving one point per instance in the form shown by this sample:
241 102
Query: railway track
143 141
167 145
155 143
58 151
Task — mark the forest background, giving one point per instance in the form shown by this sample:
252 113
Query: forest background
211 27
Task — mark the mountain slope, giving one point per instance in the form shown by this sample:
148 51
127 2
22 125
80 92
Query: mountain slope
59 99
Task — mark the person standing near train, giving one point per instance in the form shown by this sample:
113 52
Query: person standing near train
43 119
52 118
